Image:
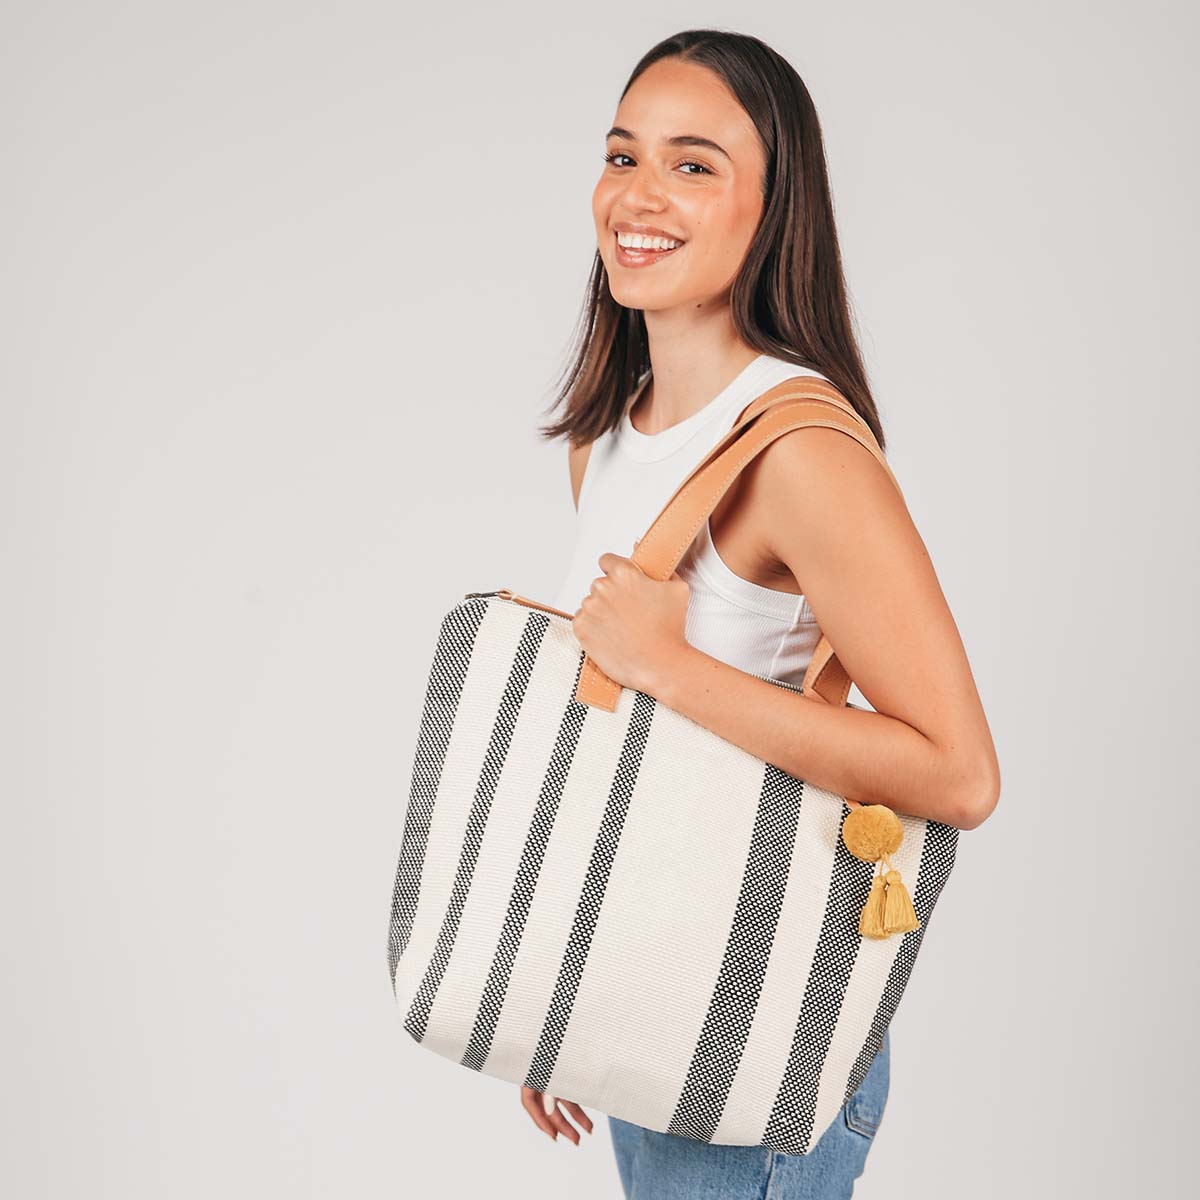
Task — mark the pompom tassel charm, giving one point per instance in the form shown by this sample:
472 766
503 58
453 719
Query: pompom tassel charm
872 832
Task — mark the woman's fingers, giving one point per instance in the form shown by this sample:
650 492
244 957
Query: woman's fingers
563 1125
531 1101
577 1113
545 1111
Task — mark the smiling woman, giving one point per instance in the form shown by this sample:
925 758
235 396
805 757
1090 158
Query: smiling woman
717 278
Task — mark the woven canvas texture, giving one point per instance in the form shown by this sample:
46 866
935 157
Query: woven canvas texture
629 911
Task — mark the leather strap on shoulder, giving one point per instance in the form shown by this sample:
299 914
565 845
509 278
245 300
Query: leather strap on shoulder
793 404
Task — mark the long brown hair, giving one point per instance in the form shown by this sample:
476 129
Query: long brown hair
789 298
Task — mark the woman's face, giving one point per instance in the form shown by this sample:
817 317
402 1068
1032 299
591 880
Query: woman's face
705 195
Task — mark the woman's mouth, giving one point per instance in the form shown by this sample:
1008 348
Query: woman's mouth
644 256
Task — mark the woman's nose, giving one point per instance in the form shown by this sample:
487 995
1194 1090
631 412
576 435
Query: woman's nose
643 191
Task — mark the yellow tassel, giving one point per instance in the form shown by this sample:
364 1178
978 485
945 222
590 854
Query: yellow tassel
871 920
872 832
899 916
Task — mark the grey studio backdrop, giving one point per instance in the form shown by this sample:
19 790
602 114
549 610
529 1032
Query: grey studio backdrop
285 294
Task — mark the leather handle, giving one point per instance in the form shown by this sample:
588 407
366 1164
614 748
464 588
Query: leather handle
793 404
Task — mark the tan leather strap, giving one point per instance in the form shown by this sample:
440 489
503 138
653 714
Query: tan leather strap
793 404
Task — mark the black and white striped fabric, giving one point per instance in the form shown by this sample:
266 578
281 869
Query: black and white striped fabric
626 910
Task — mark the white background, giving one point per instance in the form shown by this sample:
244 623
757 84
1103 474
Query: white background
285 295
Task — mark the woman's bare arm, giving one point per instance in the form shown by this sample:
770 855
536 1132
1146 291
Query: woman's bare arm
839 525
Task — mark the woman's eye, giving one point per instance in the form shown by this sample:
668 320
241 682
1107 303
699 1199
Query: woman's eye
701 169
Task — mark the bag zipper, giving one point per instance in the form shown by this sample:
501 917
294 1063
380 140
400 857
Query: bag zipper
513 597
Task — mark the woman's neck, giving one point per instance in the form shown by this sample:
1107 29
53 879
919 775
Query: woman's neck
684 378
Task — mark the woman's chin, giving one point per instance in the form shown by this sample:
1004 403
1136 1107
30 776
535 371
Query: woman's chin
642 295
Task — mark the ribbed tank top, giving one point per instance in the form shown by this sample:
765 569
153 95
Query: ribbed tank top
628 479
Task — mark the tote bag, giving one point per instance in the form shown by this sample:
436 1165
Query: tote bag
600 898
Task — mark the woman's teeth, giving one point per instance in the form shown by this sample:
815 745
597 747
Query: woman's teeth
639 241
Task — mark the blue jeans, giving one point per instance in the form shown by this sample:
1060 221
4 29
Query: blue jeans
666 1166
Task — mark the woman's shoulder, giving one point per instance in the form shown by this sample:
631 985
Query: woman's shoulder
834 483
786 368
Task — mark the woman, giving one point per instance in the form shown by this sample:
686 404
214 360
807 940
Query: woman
718 276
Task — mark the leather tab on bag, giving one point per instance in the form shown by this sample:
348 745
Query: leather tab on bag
793 404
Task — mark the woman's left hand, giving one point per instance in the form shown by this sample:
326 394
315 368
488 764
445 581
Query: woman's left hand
631 625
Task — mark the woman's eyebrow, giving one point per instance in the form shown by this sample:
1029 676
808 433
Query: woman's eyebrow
683 139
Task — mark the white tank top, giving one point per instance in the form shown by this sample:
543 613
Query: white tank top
628 479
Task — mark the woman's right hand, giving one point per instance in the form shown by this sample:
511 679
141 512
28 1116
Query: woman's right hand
555 1122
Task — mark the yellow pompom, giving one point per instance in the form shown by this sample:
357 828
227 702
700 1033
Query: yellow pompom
872 831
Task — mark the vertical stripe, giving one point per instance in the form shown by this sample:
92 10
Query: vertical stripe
669 903
790 1125
797 936
588 909
500 631
510 817
872 966
937 858
532 853
450 661
747 953
493 764
560 879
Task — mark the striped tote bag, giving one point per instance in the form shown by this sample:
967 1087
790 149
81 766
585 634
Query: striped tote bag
600 898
